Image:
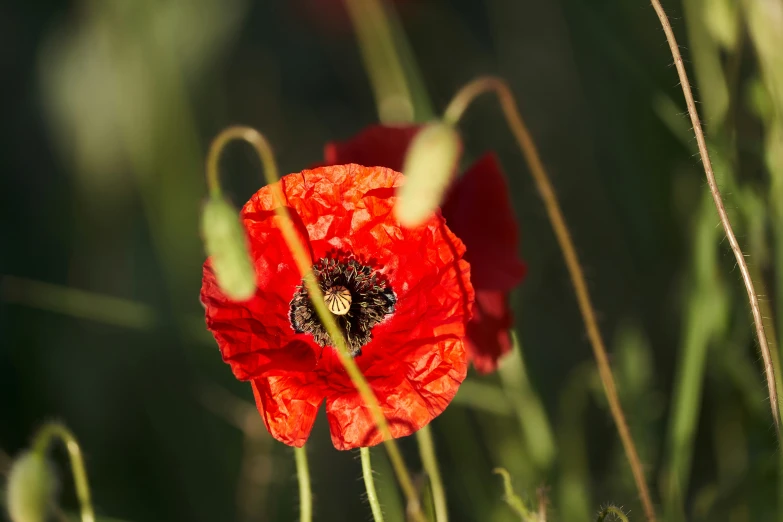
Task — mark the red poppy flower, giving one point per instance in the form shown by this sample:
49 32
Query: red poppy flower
478 210
402 297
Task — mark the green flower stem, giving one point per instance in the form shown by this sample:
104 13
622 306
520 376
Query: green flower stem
452 115
303 262
430 461
573 478
44 439
530 411
305 492
392 92
369 484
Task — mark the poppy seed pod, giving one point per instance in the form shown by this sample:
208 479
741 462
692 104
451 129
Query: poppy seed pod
31 489
430 163
225 243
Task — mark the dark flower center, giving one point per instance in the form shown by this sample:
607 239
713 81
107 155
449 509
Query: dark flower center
356 295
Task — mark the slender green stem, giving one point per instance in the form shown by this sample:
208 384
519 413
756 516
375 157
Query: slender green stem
430 461
304 264
573 478
533 421
452 115
392 92
305 492
44 439
369 484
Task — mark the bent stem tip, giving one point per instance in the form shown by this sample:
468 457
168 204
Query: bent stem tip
452 115
44 439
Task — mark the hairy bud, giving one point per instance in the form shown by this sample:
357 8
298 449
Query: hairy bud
225 243
429 166
31 489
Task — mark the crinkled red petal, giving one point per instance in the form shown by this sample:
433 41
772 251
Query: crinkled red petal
478 210
288 405
416 359
488 331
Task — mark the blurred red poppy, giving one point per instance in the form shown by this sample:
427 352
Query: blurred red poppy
401 296
478 210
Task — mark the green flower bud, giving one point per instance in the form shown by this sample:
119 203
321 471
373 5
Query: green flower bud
225 242
31 489
430 163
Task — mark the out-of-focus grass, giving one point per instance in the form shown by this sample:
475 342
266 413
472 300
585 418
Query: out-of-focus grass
574 499
77 303
115 83
533 421
95 307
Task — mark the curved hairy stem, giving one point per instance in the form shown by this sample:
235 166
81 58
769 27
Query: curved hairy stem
452 115
44 438
302 259
369 484
769 371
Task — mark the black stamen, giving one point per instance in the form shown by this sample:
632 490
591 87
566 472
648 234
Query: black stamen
371 300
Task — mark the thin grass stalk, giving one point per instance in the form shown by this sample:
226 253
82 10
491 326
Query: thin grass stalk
769 370
302 259
452 115
765 27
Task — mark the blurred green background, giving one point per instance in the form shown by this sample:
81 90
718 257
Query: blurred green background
109 106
